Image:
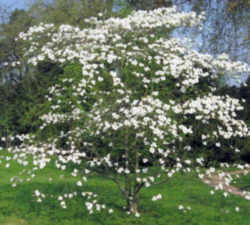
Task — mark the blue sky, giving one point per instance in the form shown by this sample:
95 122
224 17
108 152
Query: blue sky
15 3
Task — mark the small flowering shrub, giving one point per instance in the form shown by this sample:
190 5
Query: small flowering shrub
127 102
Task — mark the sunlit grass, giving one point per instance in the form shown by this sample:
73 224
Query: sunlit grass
18 207
243 182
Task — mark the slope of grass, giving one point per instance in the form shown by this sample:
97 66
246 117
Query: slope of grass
243 182
18 207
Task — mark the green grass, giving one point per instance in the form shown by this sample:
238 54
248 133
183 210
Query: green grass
17 206
243 182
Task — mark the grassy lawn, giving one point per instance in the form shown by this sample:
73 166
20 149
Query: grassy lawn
17 206
243 182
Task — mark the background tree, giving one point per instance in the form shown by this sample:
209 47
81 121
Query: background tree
11 78
72 12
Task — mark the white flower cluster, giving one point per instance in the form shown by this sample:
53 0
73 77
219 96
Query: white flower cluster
221 108
40 196
157 197
184 209
148 20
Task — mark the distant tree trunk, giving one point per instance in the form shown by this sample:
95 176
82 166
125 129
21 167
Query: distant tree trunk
162 3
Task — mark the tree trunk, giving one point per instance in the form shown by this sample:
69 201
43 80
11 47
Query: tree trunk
133 203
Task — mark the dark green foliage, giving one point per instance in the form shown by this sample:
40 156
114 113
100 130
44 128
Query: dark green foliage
23 103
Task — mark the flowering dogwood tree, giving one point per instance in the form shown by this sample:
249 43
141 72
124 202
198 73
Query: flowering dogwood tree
131 109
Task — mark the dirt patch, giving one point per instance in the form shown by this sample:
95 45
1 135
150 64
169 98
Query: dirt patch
218 181
13 221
